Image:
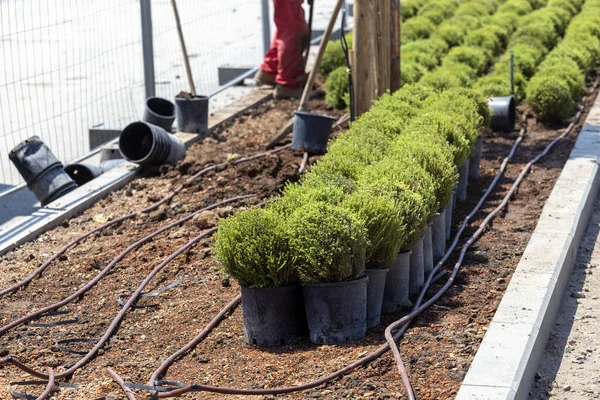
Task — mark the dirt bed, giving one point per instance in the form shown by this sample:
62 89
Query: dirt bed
437 350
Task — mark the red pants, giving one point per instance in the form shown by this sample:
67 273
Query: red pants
284 58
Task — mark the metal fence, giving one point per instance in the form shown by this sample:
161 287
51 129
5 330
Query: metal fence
70 65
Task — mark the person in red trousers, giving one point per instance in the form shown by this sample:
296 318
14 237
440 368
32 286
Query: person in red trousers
283 65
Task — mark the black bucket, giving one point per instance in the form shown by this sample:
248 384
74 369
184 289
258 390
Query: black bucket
148 144
417 268
336 311
438 236
42 171
311 132
395 295
159 112
273 316
192 114
375 289
504 113
82 173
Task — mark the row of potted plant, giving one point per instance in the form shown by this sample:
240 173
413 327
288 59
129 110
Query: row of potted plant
329 240
559 81
537 34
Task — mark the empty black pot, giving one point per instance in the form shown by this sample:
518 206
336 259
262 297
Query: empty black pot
311 132
273 316
82 173
395 295
336 311
159 112
504 113
147 144
192 114
42 171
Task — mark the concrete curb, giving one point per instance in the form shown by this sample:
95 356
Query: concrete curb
83 197
505 364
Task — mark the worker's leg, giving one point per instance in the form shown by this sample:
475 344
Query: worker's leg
268 69
292 34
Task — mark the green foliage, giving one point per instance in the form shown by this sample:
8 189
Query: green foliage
426 60
526 60
549 97
334 55
329 243
515 7
385 230
450 76
411 72
434 154
253 247
544 33
486 38
416 28
567 71
336 88
473 57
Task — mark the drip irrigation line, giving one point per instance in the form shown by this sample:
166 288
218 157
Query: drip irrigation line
121 383
404 322
303 163
418 308
117 320
162 392
49 386
145 210
115 260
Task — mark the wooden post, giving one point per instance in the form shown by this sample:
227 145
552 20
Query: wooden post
395 45
364 55
382 46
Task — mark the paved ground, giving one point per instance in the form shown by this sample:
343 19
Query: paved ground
570 367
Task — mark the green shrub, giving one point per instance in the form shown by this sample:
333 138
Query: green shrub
473 57
425 60
385 231
319 188
477 10
543 32
434 154
584 53
436 16
411 72
411 188
334 55
328 243
336 88
492 86
515 7
507 21
452 31
410 8
538 3
567 71
485 39
253 247
550 97
526 60
450 76
567 5
416 28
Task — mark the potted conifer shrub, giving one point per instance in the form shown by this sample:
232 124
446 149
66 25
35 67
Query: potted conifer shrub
328 243
254 247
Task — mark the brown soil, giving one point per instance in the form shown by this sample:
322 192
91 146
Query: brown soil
437 350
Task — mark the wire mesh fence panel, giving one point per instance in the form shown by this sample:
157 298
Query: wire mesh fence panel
65 66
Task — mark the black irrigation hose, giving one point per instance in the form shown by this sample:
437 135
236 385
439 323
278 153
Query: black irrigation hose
38 271
182 388
418 308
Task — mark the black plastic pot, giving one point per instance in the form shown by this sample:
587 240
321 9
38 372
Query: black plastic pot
147 144
375 289
449 210
82 173
42 171
463 181
438 236
417 268
159 112
273 316
311 132
336 311
427 251
504 114
395 295
475 160
192 114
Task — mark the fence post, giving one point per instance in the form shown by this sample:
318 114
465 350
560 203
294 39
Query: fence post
266 25
147 47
